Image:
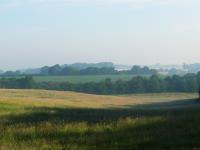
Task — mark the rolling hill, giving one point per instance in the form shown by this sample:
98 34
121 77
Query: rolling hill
40 119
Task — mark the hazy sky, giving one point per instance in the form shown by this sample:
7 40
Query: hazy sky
44 32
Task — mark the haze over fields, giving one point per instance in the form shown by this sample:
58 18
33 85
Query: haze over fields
100 74
121 31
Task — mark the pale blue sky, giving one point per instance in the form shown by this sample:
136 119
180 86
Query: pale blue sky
44 32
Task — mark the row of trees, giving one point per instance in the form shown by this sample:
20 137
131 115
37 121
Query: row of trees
69 70
18 83
139 84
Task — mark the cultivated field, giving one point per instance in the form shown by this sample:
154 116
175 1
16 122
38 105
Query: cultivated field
39 119
78 78
81 78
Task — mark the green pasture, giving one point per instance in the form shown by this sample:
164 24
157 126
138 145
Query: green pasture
81 78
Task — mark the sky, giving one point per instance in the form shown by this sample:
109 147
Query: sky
34 33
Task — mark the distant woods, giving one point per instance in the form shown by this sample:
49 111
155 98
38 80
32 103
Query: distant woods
70 70
138 84
18 83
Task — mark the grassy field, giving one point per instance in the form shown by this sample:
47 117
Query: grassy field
39 119
79 78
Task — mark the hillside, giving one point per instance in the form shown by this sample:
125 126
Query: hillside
39 119
77 100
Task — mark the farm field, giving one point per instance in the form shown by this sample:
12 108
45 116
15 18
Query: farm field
78 78
40 119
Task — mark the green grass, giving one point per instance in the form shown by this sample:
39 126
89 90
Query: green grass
32 119
81 79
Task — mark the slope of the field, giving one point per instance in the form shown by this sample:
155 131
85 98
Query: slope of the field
79 100
39 119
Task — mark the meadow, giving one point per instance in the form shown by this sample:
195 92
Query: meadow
81 78
40 119
78 78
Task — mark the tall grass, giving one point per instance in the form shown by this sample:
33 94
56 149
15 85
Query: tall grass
41 126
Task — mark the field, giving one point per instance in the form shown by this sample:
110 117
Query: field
39 119
79 78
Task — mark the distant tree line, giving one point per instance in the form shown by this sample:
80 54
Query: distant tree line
18 83
139 84
69 70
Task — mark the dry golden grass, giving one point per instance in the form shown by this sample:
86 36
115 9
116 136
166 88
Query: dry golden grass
39 119
78 100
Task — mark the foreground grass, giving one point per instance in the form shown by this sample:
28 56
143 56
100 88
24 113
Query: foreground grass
129 124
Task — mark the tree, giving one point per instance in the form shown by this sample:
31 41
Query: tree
55 70
175 84
198 79
26 82
69 71
137 85
120 87
192 82
44 70
155 84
